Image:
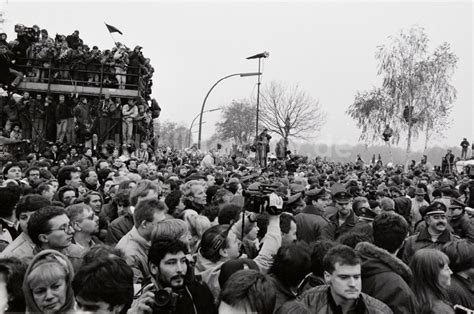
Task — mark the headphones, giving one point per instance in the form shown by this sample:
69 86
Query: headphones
219 241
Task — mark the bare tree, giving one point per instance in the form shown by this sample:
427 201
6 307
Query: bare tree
290 112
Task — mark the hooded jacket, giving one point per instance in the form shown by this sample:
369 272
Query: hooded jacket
209 273
43 257
386 278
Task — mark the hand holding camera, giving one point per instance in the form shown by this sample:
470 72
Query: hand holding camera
144 303
275 204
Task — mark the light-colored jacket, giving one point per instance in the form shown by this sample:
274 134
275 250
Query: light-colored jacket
210 271
22 248
136 249
271 243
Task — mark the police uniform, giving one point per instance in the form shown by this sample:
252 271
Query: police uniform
423 239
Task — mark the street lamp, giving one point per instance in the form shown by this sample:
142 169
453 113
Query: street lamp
258 56
192 123
207 95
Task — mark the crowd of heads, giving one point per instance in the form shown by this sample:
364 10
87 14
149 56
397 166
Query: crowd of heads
71 61
174 234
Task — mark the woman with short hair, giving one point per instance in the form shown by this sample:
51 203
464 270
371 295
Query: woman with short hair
47 284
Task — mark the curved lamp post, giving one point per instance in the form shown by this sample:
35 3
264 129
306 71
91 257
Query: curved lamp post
192 123
207 95
258 56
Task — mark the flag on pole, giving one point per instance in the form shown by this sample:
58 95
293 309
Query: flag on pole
113 29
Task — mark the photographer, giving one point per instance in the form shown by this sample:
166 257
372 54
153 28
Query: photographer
173 290
136 60
222 243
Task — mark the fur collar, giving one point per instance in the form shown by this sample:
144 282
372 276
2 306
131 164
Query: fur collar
369 251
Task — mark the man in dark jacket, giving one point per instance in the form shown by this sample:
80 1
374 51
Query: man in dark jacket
434 236
172 277
316 277
24 115
64 120
294 256
124 223
384 276
464 148
461 224
10 114
342 272
311 222
6 70
36 112
461 290
344 220
403 207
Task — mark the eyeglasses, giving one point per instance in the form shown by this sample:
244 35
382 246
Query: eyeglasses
64 228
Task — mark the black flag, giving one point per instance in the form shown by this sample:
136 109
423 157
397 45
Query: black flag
113 29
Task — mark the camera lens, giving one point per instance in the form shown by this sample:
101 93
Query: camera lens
162 298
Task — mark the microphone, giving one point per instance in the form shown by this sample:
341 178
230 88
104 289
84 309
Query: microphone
264 54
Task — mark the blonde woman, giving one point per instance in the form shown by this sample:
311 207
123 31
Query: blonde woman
47 284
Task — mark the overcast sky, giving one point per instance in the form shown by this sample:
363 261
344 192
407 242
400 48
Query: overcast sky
327 48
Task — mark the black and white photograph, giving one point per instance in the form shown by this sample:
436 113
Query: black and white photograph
237 156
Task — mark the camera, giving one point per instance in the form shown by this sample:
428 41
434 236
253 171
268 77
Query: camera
257 198
165 298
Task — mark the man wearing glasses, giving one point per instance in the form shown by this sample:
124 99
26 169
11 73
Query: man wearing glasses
50 228
342 221
434 236
85 224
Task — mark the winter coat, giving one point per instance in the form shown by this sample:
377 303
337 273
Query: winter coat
310 227
136 249
311 281
36 109
463 227
460 291
403 207
198 301
283 294
333 231
319 301
386 278
63 111
422 240
118 228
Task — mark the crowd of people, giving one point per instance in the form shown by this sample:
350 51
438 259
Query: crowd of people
68 60
194 232
77 121
44 120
